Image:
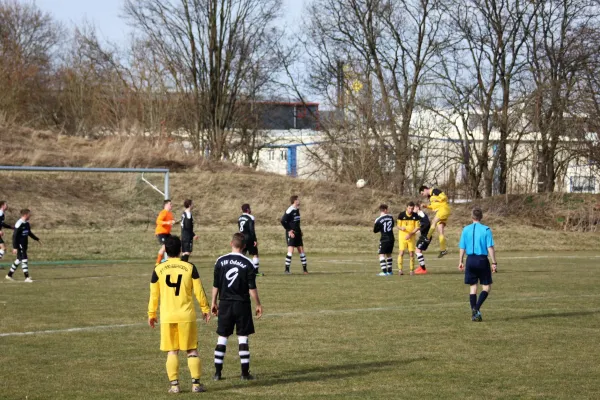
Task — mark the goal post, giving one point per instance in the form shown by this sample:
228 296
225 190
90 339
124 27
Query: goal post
163 171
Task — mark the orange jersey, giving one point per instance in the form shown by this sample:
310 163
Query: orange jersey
164 216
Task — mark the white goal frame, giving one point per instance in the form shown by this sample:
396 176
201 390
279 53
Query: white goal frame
164 171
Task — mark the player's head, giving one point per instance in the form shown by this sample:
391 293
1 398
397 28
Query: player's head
237 242
25 214
173 246
246 208
167 205
383 208
410 207
416 207
477 214
3 205
188 204
424 190
294 201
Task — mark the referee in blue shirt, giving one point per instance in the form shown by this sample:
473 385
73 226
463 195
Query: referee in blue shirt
477 242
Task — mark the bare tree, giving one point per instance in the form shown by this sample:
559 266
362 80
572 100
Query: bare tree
28 39
210 48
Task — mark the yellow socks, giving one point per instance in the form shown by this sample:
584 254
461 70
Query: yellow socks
412 262
443 246
400 262
172 367
195 367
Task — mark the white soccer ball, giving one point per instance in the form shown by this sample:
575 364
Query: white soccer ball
361 183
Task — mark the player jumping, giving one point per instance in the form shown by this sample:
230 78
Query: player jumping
246 226
408 224
175 283
438 202
234 285
187 231
423 242
385 224
164 224
293 234
3 207
21 236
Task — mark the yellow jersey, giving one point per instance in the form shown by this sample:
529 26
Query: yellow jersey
175 283
438 200
410 223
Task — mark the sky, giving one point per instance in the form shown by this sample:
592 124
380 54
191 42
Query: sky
105 15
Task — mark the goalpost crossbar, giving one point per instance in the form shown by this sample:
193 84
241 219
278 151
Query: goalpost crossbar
143 171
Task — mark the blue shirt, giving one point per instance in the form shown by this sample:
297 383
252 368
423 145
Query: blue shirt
476 238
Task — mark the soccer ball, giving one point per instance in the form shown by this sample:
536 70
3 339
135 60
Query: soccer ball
361 183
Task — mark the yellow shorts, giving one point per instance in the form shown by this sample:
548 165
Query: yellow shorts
443 214
179 336
410 244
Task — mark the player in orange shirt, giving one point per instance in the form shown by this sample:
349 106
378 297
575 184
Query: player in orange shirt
164 224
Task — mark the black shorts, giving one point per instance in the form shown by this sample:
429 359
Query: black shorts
294 242
162 237
478 269
187 245
22 253
235 314
386 247
423 243
251 249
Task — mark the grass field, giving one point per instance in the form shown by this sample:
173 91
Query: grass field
341 332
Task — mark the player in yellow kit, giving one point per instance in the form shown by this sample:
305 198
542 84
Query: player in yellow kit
438 202
408 225
175 283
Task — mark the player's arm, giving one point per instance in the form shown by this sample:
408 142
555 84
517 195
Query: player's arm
16 235
31 235
200 295
417 228
161 219
491 250
7 226
376 228
461 254
285 222
153 302
251 276
215 291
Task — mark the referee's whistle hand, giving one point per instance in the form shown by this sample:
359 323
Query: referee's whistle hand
259 311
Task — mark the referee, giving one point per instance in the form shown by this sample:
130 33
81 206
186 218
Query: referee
476 241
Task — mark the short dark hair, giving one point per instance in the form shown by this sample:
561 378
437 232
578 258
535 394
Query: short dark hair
167 201
238 241
423 187
293 199
2 202
383 207
417 204
246 207
477 214
410 204
173 246
187 203
25 211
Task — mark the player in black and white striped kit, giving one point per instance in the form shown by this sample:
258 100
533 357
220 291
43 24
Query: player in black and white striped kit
246 226
21 237
293 234
187 231
384 224
3 207
233 287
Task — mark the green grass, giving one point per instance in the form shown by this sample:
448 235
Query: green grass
138 243
339 333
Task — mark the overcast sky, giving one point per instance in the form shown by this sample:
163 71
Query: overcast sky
105 15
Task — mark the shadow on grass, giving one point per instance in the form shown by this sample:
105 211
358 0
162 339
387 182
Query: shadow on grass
552 315
319 374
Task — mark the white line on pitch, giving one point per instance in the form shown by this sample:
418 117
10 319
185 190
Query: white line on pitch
298 313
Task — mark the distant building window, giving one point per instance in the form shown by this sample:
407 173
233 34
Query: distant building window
271 155
283 155
583 184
